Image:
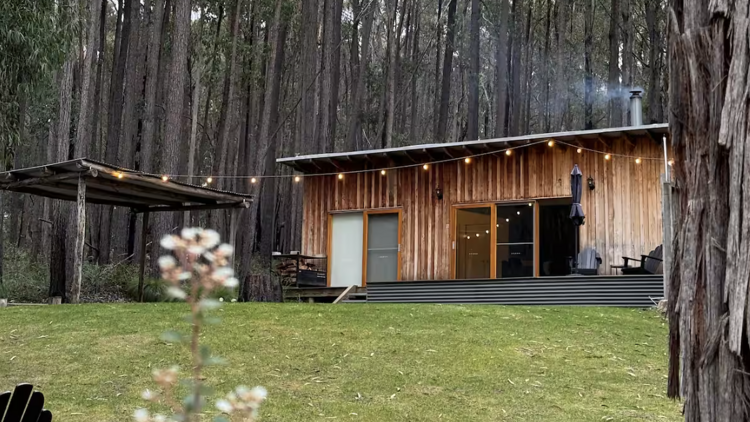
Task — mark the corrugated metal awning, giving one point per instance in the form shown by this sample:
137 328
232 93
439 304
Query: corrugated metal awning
416 154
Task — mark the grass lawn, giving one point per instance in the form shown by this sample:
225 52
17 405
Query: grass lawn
355 362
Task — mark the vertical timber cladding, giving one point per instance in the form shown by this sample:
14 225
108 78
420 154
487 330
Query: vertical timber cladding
623 212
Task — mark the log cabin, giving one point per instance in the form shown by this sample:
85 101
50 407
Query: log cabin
483 210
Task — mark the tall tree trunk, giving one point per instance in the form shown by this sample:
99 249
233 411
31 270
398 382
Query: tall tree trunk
627 60
614 90
445 89
514 111
329 81
308 74
263 288
355 124
561 46
390 79
528 72
546 64
709 58
501 69
153 56
414 132
87 106
164 222
437 93
473 117
588 51
653 93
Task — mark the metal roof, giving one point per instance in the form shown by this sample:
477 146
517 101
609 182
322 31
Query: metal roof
415 154
111 185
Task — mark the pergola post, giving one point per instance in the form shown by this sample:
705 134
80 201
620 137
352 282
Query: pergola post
233 228
142 258
75 288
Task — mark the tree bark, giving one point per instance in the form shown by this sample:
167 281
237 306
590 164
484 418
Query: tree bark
329 81
588 79
653 93
308 74
627 60
614 90
445 90
473 117
390 79
153 56
501 69
516 101
164 222
561 86
87 106
709 58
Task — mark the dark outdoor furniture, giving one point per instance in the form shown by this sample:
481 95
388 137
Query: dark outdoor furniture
23 405
648 264
588 262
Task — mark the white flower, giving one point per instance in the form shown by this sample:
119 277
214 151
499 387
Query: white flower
231 283
259 392
196 249
189 233
186 275
147 395
221 299
141 415
224 406
168 243
167 262
159 418
176 292
225 249
223 273
234 300
209 239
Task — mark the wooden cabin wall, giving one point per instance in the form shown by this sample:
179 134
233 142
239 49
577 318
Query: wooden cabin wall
623 212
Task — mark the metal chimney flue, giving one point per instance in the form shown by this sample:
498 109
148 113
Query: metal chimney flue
636 108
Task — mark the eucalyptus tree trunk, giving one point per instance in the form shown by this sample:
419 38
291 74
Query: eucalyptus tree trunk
445 86
329 78
86 129
614 114
653 93
308 74
561 45
627 59
390 79
514 91
153 57
709 58
588 51
355 119
501 69
473 116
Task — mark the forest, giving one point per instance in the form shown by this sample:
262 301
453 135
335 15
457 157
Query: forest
211 92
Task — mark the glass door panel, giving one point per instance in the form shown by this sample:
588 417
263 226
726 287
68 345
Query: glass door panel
382 247
515 240
473 242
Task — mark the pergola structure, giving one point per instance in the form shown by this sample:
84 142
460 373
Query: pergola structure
87 181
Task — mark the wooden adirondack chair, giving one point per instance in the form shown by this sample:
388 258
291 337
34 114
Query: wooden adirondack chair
588 262
23 405
648 264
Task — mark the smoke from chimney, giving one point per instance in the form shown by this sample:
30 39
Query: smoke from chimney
636 109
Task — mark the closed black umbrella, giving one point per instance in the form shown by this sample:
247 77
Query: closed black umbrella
576 211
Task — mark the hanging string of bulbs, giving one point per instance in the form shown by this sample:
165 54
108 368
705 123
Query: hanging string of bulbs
207 180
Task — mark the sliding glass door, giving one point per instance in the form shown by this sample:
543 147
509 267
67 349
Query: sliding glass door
495 240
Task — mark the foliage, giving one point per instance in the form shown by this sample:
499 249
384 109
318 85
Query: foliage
197 266
25 279
382 362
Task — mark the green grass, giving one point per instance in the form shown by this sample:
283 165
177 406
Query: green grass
355 362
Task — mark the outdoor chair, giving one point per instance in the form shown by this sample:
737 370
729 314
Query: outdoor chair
24 404
648 264
588 262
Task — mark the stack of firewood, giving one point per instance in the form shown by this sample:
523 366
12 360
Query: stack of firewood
288 267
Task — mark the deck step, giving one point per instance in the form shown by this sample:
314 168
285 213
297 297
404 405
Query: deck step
356 298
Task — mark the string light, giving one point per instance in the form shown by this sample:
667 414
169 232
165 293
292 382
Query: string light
426 166
671 163
531 204
518 212
607 157
164 178
507 220
210 179
296 178
551 143
638 160
119 175
467 160
477 234
341 176
579 150
487 231
382 172
507 152
253 180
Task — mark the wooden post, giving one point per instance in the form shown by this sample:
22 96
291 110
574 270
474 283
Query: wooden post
142 258
75 288
233 228
667 227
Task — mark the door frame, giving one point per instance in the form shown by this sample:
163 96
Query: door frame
493 233
365 213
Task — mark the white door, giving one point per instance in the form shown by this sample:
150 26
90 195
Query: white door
346 249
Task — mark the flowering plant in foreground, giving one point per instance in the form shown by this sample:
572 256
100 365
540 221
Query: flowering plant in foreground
197 265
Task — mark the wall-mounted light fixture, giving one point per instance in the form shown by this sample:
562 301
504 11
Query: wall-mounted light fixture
439 193
591 183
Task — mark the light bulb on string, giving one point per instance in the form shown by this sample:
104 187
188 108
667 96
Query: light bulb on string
382 172
579 150
119 175
253 180
638 160
341 176
508 152
467 160
210 179
671 163
296 178
164 178
551 143
426 166
607 157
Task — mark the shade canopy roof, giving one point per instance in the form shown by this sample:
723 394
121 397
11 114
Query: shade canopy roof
415 154
110 185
